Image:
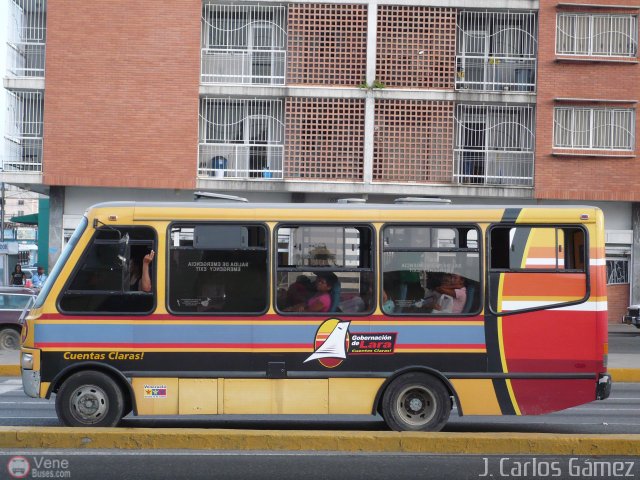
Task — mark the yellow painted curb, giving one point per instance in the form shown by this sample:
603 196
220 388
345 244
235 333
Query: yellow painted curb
9 370
624 374
406 442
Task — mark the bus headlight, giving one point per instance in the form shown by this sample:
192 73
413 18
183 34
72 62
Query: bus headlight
27 361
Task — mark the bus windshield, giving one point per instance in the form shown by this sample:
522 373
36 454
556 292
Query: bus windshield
64 256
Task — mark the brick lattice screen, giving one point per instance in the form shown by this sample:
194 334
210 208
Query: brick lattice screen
413 141
325 139
327 44
416 46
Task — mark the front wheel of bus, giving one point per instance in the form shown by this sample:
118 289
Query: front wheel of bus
89 399
416 402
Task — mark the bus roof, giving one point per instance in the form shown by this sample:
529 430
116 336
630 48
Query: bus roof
224 210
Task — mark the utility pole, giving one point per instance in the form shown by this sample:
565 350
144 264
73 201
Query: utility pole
1 211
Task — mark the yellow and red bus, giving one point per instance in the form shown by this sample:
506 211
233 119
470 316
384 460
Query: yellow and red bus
397 310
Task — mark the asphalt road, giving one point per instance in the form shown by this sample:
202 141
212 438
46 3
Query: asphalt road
134 465
620 413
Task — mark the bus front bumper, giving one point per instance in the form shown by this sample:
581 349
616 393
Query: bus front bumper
603 389
30 376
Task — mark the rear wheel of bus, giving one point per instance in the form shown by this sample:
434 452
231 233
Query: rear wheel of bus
90 399
416 402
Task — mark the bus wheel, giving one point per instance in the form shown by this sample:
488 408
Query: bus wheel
89 399
9 339
416 402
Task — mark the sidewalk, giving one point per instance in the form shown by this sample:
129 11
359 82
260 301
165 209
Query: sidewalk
624 355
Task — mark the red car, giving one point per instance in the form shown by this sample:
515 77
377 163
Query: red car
13 301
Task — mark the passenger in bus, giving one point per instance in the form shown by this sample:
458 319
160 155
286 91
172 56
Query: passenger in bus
453 287
299 291
139 277
321 300
388 305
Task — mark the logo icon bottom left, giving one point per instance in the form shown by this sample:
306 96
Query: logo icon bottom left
18 467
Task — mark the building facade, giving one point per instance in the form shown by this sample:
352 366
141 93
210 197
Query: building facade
508 102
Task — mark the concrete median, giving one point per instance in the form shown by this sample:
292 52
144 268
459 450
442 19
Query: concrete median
406 442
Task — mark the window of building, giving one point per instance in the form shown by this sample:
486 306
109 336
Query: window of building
431 270
594 128
241 138
21 202
217 268
496 50
243 44
339 256
617 270
597 35
108 277
494 144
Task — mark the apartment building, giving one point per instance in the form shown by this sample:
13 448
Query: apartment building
500 101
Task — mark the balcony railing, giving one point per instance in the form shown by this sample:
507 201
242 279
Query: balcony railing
26 38
496 73
493 167
240 161
23 134
260 67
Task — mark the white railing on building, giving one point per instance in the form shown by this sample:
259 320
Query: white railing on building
494 144
240 161
243 44
26 38
603 35
241 138
23 134
496 51
594 128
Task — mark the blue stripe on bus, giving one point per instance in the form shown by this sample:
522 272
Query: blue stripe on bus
220 334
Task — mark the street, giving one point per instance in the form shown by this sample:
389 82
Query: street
620 413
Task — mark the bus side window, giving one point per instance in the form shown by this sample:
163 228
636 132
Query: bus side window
103 282
217 268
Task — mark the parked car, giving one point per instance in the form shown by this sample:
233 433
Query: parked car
13 301
633 316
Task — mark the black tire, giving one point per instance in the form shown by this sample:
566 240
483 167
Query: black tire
90 399
416 402
9 339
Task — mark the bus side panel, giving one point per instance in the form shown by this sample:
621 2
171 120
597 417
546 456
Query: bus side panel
537 397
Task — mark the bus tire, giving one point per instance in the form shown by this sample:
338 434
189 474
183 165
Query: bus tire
416 402
90 399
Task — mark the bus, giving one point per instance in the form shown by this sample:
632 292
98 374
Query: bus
405 311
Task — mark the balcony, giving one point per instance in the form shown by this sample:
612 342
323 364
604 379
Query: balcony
494 145
23 135
26 38
243 44
496 51
228 161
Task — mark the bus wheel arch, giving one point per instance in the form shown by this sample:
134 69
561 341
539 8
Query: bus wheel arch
111 373
417 399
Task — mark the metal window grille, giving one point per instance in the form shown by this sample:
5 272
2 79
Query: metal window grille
23 135
597 35
241 138
617 270
243 44
494 144
496 50
594 128
26 38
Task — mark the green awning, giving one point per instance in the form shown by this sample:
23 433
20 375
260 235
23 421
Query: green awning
31 219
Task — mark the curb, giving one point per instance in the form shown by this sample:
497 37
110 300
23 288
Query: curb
10 371
624 374
405 442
